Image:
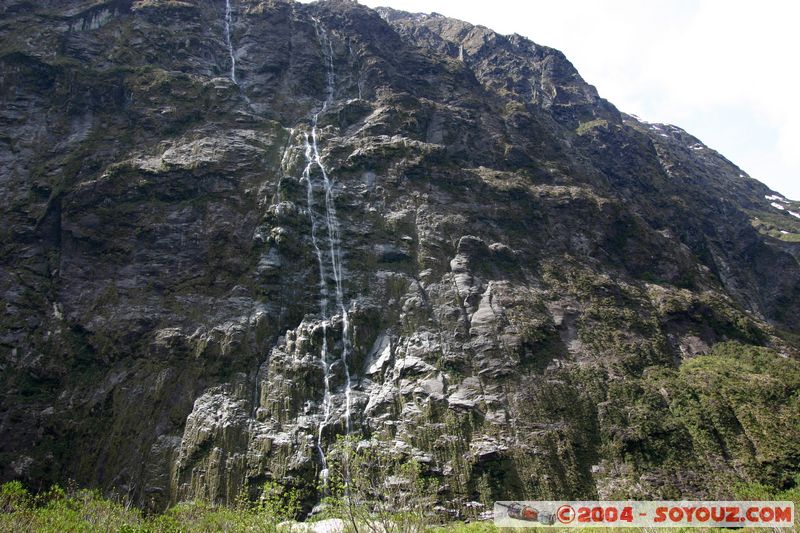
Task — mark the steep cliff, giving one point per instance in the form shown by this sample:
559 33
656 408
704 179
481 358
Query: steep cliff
235 230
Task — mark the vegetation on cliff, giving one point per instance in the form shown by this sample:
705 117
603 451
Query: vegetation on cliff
236 231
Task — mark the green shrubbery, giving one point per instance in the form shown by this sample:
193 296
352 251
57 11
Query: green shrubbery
374 489
395 505
370 488
78 510
59 510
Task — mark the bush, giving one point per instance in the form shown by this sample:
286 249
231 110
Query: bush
13 497
373 488
278 502
57 510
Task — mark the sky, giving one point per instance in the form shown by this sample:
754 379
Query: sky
723 70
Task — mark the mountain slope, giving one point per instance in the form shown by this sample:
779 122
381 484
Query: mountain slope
378 223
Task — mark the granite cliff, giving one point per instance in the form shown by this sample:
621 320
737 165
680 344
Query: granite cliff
233 231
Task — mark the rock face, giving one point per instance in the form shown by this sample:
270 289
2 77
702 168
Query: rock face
392 225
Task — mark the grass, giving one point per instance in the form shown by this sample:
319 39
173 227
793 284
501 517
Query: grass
586 127
81 510
774 223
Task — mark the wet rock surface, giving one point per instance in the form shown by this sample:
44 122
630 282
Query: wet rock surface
386 224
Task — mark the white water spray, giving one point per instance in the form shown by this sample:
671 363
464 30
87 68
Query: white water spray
323 297
314 159
332 224
228 24
335 254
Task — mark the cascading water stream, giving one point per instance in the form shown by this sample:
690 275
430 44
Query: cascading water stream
335 253
228 24
323 297
314 159
355 59
333 227
330 266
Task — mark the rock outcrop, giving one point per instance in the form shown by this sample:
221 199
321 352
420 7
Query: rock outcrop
391 225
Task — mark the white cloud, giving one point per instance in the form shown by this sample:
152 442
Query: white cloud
724 70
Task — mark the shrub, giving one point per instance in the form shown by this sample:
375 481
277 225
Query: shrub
13 497
374 488
278 502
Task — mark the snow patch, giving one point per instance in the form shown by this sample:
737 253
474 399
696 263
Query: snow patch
777 206
795 215
776 197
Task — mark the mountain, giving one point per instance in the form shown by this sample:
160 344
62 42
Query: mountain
235 231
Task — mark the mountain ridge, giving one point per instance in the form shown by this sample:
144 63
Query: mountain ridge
412 230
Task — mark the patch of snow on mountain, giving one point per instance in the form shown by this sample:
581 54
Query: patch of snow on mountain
777 197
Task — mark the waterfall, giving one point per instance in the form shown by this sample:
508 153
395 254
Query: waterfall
334 264
332 224
354 59
323 294
228 24
335 253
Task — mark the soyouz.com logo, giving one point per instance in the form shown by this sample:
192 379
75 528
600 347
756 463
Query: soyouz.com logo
644 514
